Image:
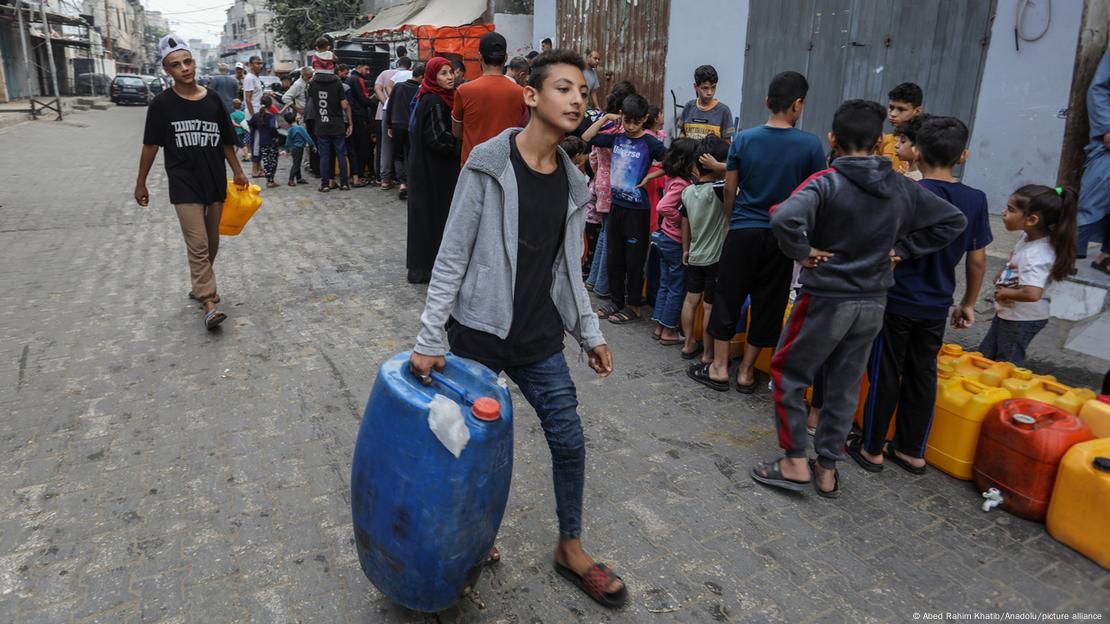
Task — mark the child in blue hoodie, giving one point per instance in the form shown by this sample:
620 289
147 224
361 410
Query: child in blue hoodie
297 139
847 228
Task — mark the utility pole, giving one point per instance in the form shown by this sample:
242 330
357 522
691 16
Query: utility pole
50 55
26 56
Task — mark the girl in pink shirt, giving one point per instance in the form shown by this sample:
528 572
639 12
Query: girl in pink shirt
678 164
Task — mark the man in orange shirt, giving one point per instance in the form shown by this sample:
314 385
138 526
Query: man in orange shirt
489 104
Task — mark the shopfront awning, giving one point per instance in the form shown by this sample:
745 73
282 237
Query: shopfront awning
435 13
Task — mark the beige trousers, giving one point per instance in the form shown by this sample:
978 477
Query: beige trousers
200 225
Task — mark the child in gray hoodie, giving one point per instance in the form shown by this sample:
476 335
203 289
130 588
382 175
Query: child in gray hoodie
848 229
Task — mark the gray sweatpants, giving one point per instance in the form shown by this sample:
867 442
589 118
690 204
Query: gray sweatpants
835 334
385 151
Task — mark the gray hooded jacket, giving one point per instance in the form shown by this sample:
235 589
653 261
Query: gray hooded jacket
475 272
861 212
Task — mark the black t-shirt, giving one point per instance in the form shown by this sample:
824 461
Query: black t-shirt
537 329
326 99
193 135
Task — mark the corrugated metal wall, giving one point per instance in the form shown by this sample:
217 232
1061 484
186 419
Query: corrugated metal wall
863 48
631 35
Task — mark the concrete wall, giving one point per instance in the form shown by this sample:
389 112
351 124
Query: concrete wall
543 22
1019 118
725 24
517 30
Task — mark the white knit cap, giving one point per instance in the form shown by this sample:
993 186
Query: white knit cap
169 44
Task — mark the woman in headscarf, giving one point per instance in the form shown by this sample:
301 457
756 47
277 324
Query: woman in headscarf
433 168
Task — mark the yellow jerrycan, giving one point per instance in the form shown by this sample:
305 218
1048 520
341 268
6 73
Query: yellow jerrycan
239 207
1048 390
961 406
1096 413
1079 512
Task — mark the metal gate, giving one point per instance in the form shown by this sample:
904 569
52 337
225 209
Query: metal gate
862 49
630 35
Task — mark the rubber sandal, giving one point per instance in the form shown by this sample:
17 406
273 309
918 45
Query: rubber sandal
324 189
889 453
1103 266
494 556
213 319
360 185
607 310
344 188
595 582
700 373
772 476
626 315
747 388
655 336
693 354
855 446
670 342
833 493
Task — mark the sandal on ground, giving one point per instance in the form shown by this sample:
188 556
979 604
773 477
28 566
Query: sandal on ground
747 388
699 372
292 183
272 184
889 453
344 188
670 342
193 296
213 319
595 582
770 473
323 189
1103 266
403 194
692 354
589 286
855 451
360 184
625 315
607 310
833 493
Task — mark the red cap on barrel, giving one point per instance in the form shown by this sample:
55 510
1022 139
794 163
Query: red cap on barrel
486 409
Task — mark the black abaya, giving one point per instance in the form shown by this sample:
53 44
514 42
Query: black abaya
433 170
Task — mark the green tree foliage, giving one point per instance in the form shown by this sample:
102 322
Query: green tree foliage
297 23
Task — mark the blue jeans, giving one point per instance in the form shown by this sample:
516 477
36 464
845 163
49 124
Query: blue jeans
1099 231
325 144
1007 340
599 270
672 281
547 387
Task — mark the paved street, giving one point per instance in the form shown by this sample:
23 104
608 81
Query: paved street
153 472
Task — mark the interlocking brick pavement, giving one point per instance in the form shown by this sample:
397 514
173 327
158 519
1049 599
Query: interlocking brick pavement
153 472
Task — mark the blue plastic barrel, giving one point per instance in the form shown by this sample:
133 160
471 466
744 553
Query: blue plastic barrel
425 521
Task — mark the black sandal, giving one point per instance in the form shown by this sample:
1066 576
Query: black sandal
700 373
772 476
889 453
607 310
213 318
595 582
625 315
1103 266
693 354
855 446
833 493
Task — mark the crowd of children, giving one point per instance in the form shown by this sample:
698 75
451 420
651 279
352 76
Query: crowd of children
866 241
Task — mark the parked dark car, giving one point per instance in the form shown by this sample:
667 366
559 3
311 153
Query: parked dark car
130 88
155 84
92 84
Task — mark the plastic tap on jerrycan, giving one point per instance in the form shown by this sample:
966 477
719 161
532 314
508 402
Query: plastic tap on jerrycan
1079 513
961 406
1020 448
1048 390
239 206
424 519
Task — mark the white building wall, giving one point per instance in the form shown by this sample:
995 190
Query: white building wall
1020 114
688 30
543 22
517 30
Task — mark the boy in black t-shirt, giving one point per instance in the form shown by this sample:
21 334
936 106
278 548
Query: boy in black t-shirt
193 126
507 285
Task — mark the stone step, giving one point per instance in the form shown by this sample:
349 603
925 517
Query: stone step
100 106
79 107
87 101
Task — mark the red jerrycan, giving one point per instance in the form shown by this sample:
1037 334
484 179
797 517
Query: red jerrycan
1019 452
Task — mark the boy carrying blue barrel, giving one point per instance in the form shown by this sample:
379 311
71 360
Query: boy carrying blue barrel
507 284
